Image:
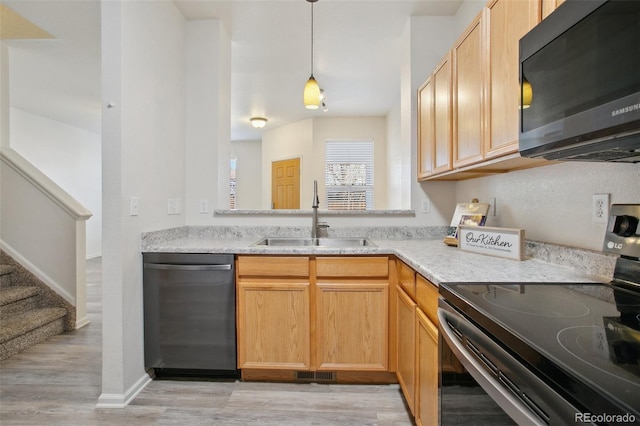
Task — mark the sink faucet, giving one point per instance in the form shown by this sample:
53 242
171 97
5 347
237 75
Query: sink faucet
315 225
314 208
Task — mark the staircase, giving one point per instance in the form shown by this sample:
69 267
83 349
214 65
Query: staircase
30 312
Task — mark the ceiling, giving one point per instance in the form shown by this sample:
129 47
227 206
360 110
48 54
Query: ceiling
357 57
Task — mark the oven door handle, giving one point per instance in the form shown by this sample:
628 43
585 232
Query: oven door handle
504 397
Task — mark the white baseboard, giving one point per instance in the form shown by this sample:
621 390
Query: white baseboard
81 322
114 400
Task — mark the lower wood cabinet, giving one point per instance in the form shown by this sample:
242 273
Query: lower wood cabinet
406 371
273 324
426 398
352 326
417 347
313 313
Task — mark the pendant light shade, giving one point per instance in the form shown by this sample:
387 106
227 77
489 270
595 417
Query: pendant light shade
527 94
311 94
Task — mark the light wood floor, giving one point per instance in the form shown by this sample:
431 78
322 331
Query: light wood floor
58 382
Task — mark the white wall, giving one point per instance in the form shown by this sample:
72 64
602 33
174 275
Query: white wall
249 166
553 203
143 69
285 142
68 155
4 95
208 73
306 139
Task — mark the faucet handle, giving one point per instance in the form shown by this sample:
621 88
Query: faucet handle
323 225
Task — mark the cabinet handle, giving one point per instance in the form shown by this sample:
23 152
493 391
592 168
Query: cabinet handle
171 267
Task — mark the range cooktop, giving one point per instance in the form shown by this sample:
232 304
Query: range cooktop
582 338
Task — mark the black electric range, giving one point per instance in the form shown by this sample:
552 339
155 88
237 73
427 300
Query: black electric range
580 339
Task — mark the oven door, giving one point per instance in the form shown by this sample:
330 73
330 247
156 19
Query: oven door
482 384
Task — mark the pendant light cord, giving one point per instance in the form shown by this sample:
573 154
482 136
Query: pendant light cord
312 38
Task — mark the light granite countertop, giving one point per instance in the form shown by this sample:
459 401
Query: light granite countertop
431 258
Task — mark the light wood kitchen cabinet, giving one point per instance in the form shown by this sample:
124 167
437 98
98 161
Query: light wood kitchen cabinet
406 371
426 398
352 325
417 346
352 306
468 96
549 6
426 130
442 116
507 21
406 278
273 297
324 313
273 325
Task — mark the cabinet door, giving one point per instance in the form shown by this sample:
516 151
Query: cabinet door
508 21
468 97
426 130
427 374
442 116
406 311
549 6
352 326
273 324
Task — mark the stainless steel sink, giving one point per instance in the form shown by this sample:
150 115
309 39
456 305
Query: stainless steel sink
317 242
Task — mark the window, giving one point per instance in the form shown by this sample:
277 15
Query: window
349 175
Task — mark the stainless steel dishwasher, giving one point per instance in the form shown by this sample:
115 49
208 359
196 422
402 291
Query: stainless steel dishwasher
189 314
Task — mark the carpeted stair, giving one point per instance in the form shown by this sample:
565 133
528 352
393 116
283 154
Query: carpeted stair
28 315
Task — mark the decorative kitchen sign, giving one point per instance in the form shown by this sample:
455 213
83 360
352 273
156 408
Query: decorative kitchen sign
500 242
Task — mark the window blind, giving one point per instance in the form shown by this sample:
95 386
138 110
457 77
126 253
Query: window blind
349 175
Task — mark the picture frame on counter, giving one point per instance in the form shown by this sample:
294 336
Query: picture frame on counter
507 243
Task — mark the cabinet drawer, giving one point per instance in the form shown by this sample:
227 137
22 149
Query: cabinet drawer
427 298
361 267
273 266
407 279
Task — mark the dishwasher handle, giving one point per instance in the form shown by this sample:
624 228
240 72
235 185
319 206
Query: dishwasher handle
175 267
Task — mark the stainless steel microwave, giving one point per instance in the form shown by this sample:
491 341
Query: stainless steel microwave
580 83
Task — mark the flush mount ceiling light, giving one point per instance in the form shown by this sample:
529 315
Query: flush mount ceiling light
258 122
312 89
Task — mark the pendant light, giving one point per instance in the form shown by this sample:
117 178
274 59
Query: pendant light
312 89
527 93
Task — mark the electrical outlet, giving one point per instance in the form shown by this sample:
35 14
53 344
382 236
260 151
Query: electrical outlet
426 206
172 206
600 208
133 206
204 205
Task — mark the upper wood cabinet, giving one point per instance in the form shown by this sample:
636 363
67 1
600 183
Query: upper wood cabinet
481 137
426 130
442 116
549 6
435 131
468 96
507 21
